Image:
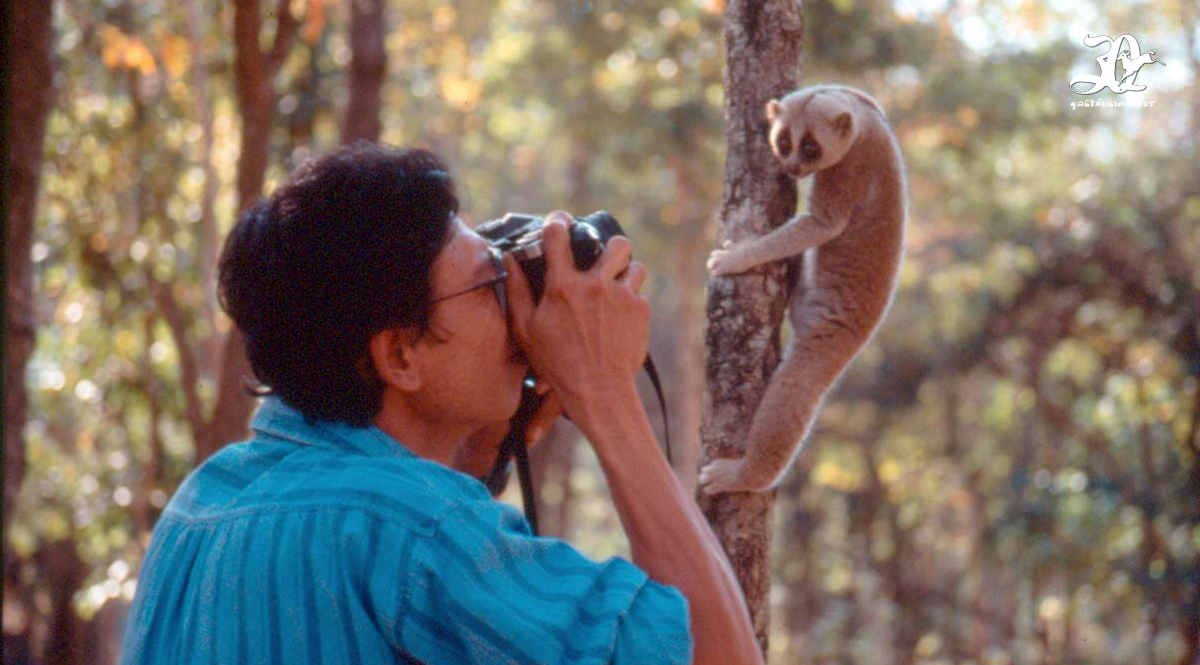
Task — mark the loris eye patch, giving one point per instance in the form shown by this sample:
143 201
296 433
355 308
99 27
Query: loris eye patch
809 150
784 144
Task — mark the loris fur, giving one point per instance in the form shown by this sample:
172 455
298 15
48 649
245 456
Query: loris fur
852 239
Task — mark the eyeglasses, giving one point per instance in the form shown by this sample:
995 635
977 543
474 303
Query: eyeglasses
496 283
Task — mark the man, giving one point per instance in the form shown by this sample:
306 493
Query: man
394 341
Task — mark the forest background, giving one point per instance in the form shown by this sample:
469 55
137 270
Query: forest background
1009 473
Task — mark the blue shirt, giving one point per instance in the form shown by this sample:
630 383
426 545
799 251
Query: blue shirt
324 543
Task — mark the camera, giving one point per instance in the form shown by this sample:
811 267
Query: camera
521 235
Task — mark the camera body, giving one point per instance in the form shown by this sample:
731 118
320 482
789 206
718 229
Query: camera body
521 235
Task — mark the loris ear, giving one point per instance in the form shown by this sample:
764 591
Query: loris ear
843 123
393 354
772 110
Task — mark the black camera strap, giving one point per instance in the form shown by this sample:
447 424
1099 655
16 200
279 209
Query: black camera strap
513 446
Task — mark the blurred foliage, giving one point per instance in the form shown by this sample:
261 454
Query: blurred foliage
1007 474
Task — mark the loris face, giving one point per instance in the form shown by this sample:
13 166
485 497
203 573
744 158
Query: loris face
810 131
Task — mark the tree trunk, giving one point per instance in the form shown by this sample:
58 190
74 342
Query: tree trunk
368 65
25 127
254 72
762 45
24 130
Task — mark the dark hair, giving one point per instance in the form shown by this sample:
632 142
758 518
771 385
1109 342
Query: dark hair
342 250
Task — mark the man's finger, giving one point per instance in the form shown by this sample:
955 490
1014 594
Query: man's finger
556 247
615 258
635 276
520 298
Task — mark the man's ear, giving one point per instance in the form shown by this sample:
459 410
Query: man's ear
393 353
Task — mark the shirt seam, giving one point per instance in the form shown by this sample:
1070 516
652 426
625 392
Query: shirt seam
430 525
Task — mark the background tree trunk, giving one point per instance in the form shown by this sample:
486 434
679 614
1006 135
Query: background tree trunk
254 72
25 127
762 45
368 65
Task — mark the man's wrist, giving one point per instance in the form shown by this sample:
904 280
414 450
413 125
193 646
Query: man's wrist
595 406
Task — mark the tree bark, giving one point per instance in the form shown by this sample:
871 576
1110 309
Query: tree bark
762 44
31 73
368 65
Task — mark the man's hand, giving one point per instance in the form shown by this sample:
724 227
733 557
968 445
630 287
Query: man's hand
590 331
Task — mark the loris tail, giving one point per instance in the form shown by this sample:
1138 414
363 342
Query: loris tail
853 234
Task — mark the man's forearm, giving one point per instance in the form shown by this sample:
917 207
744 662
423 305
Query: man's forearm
667 533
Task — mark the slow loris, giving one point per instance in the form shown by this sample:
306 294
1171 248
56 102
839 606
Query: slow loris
853 236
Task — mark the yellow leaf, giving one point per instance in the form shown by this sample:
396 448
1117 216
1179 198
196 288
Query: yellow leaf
461 93
113 43
139 57
175 55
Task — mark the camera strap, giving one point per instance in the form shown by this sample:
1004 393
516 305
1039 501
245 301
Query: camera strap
513 447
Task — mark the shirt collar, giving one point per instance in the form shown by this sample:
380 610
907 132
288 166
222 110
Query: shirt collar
274 418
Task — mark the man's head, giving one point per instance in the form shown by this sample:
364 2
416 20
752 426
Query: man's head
342 251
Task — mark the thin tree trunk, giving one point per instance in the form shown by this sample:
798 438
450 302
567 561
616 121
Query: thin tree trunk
368 65
762 44
551 464
24 130
208 241
555 460
692 211
254 72
143 511
689 354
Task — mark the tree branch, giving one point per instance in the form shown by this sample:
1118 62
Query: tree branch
285 32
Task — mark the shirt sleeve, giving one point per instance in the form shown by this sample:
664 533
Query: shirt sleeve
482 589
